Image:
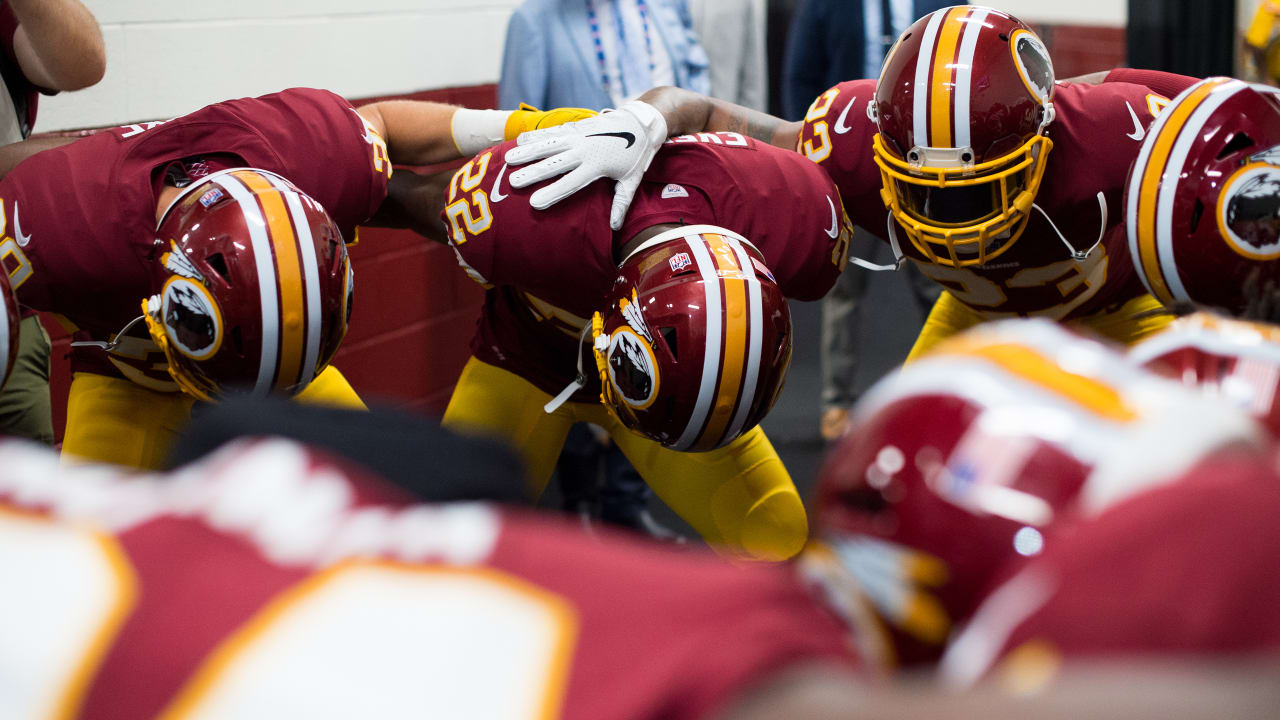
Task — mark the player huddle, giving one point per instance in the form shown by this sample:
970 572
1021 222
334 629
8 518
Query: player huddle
1018 499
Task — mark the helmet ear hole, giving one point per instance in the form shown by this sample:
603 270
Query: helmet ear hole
1004 37
1196 212
1238 142
219 265
669 335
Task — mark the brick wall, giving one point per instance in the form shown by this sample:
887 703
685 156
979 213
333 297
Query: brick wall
413 316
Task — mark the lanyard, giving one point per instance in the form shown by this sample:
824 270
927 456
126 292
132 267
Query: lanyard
594 22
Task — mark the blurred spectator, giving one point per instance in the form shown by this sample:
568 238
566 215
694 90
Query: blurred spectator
733 33
1261 56
49 45
598 53
832 41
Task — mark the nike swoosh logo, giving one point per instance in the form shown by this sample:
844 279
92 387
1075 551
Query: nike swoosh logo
834 231
631 139
494 195
1139 132
841 128
17 228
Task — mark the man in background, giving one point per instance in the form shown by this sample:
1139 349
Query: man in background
733 33
831 41
48 46
598 54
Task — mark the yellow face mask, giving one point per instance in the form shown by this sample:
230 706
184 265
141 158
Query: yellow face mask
965 215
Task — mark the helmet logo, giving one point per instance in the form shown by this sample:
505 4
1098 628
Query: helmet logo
635 318
633 370
1249 212
679 261
191 318
1271 156
1034 64
177 262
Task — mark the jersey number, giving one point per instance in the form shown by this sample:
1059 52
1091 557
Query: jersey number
1077 282
419 641
821 131
469 213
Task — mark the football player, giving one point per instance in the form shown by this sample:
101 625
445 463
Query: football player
967 157
229 225
270 579
677 321
1203 200
965 463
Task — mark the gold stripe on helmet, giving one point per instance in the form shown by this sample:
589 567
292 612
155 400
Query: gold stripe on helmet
1161 149
733 281
942 84
284 241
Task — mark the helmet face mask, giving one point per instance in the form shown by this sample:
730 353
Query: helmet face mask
961 145
255 287
695 342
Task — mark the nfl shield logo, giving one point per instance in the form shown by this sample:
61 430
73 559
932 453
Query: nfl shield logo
679 261
210 197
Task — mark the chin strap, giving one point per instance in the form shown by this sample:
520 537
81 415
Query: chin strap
115 339
898 257
579 382
1080 255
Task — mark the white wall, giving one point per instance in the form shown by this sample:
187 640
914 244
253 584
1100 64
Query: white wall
168 57
1113 13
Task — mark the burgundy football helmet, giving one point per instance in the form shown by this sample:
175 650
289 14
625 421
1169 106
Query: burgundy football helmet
1202 204
955 467
695 342
1233 359
9 322
255 287
962 105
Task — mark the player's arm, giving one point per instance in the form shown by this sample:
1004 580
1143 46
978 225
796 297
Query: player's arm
414 201
14 153
1165 83
620 144
58 44
420 132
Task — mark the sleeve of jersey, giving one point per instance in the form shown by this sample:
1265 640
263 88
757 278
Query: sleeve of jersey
837 134
500 239
327 150
1164 83
813 246
1111 120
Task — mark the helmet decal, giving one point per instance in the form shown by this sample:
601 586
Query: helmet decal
1034 65
635 318
191 318
176 262
1249 212
633 370
1270 156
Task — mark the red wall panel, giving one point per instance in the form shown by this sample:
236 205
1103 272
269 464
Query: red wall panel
414 311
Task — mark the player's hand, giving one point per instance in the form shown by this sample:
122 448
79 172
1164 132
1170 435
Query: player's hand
617 144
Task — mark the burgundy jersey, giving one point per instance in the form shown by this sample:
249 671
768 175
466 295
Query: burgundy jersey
82 217
1184 568
551 269
268 581
1096 137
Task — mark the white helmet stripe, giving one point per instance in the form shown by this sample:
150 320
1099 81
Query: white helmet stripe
921 90
964 74
756 309
310 276
265 263
711 358
1173 173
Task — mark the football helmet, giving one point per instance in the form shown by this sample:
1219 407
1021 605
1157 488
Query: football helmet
962 106
958 466
695 342
255 286
1202 204
1232 359
9 324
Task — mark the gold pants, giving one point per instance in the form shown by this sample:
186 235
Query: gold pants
1131 322
739 498
114 420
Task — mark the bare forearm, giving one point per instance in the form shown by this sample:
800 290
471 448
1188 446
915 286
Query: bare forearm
416 132
688 112
14 153
414 201
58 43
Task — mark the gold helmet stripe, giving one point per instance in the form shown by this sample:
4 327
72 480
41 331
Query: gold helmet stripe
942 84
734 285
284 244
1151 173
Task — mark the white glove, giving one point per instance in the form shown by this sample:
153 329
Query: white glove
617 144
